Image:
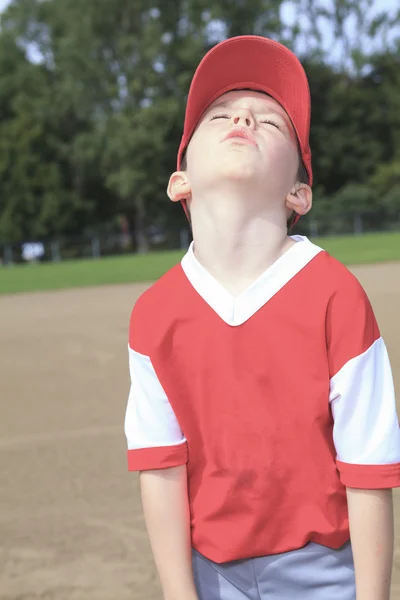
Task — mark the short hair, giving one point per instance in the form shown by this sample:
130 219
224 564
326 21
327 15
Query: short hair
302 173
183 166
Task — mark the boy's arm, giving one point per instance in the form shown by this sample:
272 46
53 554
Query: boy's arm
366 434
372 540
166 511
157 448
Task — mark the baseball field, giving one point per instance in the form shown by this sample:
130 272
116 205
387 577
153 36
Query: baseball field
70 519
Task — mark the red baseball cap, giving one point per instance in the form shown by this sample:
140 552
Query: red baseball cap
256 63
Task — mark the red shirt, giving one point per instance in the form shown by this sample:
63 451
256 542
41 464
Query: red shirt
276 400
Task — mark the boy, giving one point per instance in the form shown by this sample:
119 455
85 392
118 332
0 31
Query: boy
262 414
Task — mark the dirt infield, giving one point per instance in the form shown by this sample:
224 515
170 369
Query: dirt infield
70 519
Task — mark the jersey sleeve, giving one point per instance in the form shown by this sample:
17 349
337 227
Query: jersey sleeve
366 429
154 437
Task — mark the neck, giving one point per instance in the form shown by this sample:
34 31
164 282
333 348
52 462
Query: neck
236 242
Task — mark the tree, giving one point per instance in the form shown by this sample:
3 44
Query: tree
92 98
385 184
33 192
119 72
343 33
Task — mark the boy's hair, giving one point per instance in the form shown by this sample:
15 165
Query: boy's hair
302 175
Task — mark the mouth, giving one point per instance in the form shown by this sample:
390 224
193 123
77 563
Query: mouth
241 135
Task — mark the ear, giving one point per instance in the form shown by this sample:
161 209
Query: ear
179 187
299 199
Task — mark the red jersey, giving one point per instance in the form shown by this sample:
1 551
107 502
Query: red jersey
276 400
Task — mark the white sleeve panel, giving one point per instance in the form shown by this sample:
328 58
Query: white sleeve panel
366 426
149 420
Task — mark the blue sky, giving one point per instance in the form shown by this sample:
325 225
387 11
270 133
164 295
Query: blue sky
379 4
289 14
334 50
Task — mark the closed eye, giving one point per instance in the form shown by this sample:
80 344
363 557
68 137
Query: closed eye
220 116
269 122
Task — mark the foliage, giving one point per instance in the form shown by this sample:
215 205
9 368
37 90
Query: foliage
92 101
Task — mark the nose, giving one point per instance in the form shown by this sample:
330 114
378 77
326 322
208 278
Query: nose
243 117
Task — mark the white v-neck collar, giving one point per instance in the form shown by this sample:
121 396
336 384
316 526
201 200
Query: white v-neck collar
236 310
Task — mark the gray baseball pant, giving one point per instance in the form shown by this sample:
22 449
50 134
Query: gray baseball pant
313 572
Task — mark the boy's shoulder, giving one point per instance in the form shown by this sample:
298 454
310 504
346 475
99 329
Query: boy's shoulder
339 276
172 287
160 301
327 279
161 292
331 274
341 291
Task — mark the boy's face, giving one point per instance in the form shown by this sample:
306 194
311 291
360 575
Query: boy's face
244 136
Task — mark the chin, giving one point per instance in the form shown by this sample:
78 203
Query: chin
242 172
238 167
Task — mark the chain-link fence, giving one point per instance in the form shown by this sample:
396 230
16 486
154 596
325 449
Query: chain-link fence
159 239
332 223
93 246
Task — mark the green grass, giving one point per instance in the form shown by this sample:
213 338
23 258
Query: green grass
363 249
80 273
371 248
